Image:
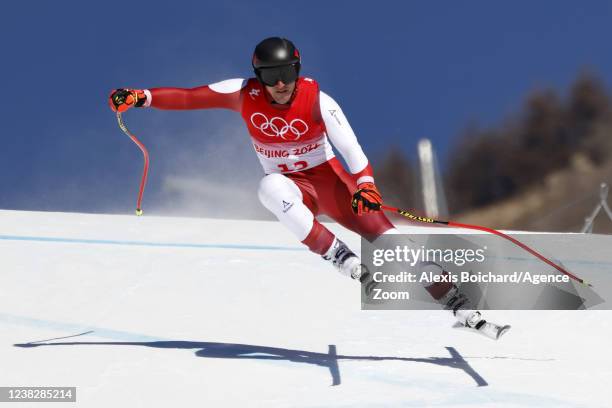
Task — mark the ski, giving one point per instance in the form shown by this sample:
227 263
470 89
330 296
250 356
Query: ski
490 330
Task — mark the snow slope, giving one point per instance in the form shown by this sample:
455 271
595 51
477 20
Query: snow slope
158 312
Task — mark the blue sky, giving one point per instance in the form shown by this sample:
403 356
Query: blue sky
400 71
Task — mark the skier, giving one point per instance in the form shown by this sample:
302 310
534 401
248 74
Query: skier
291 124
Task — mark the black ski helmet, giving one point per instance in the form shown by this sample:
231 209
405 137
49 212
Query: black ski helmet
276 58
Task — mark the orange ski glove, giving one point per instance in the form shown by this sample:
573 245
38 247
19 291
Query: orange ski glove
121 100
366 199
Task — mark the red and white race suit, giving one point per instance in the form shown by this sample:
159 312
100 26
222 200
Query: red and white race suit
292 141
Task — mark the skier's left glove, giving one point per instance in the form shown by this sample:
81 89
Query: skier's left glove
366 199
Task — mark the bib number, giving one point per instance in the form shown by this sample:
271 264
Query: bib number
297 166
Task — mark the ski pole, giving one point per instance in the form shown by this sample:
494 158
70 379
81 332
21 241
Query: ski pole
515 241
145 153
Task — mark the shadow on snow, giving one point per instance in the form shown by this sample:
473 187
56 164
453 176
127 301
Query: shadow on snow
247 351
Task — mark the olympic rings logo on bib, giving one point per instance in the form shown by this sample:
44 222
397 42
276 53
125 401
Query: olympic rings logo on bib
278 127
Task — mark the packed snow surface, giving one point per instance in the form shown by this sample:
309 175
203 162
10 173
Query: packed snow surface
160 312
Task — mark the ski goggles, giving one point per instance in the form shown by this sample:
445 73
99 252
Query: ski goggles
284 73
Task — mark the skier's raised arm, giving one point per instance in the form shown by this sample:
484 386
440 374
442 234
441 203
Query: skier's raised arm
221 95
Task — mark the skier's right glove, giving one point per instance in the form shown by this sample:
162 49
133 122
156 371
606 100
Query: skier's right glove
123 99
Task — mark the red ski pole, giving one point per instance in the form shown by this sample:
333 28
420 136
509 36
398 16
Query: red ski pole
145 153
515 241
